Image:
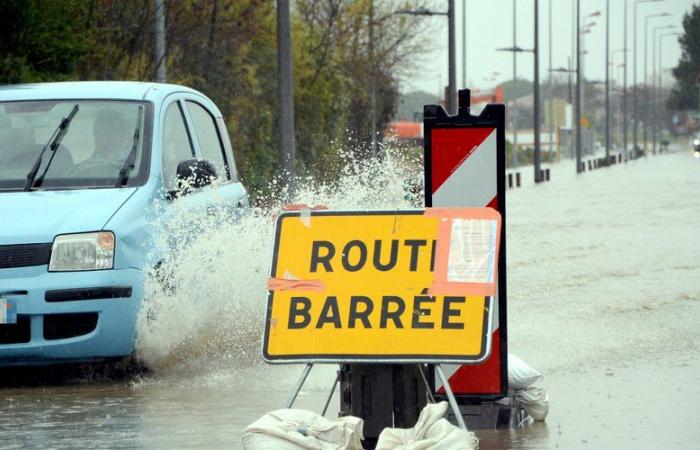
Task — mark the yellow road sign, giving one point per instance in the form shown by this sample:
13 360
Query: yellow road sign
393 286
585 122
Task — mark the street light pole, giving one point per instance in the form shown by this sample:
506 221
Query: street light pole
464 44
451 64
285 94
635 118
515 80
646 87
579 138
624 89
551 88
607 82
658 87
452 89
161 70
536 109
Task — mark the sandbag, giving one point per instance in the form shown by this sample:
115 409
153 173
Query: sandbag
432 432
299 429
520 375
535 401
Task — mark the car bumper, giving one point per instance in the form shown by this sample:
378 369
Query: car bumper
69 316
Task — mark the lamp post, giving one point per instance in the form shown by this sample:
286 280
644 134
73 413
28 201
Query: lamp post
451 63
579 139
161 70
515 79
568 71
536 100
286 96
646 87
635 119
657 86
607 82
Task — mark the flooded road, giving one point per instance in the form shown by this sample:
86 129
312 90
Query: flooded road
604 300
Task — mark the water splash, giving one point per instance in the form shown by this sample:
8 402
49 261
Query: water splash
204 305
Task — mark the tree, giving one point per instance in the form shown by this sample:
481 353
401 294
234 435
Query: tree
685 95
42 40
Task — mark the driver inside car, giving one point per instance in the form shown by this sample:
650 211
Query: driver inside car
111 137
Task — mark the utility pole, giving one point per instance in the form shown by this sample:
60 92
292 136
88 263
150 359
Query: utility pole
551 88
607 82
452 89
536 109
464 44
373 84
579 138
286 95
624 91
161 74
515 81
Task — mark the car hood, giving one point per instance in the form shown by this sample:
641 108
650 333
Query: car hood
38 216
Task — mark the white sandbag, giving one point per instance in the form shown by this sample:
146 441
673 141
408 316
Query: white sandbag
520 375
432 432
299 429
535 402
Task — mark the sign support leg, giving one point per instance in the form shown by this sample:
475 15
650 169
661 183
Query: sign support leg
330 395
427 385
450 397
300 383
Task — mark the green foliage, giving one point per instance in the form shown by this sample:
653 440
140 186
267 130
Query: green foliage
686 95
42 40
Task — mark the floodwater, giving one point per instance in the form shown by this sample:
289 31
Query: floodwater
604 300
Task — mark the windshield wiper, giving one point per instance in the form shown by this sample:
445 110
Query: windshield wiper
129 163
52 145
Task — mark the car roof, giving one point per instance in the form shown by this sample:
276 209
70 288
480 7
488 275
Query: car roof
121 90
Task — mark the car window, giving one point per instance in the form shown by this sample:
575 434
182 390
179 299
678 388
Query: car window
97 142
208 137
177 145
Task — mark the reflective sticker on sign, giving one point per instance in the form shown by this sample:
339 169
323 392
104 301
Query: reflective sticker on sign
472 251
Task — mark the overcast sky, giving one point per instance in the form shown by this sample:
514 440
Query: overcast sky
490 25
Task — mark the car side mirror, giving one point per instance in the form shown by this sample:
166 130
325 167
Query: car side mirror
195 173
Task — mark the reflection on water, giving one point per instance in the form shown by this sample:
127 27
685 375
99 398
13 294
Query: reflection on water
604 286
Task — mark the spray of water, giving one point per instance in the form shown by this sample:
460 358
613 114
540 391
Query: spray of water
204 305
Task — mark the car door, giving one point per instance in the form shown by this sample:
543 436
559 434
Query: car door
207 134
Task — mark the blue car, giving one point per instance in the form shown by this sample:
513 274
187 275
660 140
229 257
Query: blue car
83 167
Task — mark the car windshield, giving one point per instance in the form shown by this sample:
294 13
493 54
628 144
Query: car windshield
91 154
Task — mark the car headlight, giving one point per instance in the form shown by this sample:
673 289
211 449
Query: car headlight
82 251
696 142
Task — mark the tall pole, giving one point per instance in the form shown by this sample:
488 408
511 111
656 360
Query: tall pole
464 44
452 89
634 77
551 88
161 74
607 82
624 92
536 49
373 84
515 80
571 102
579 138
285 94
653 106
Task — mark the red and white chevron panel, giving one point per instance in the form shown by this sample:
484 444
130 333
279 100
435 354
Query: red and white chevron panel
464 174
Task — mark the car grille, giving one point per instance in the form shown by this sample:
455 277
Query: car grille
16 333
64 326
23 255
